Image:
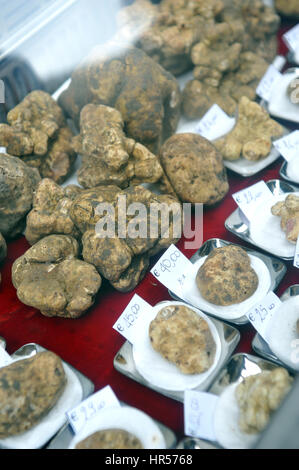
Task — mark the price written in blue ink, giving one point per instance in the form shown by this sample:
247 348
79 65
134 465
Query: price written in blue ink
262 313
127 324
91 407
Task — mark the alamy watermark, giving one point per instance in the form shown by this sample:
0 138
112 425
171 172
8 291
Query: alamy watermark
154 220
294 91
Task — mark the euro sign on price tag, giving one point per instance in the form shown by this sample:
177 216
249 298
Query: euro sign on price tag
5 358
126 325
268 82
171 270
215 123
251 198
288 146
90 407
262 313
199 410
291 38
296 258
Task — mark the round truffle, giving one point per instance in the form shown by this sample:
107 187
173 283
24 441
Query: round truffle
195 169
226 277
184 338
110 439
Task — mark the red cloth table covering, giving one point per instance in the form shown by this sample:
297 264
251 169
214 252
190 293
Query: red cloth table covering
90 343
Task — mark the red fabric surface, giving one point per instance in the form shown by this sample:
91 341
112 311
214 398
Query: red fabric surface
90 343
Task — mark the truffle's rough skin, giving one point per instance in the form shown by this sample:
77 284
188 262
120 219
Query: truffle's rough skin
183 338
122 256
252 135
37 132
288 210
258 396
167 32
226 277
17 185
50 213
50 278
111 256
108 156
199 96
260 22
219 52
194 168
3 250
110 439
29 389
31 124
147 96
287 7
59 160
133 275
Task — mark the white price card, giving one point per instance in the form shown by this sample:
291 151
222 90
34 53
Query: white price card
296 258
268 82
215 123
5 358
291 38
288 146
199 410
171 270
261 314
126 325
90 407
251 198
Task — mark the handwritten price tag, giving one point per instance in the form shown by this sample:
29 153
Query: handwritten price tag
261 314
199 409
268 82
126 324
296 258
90 407
5 358
215 123
288 146
250 198
291 38
171 270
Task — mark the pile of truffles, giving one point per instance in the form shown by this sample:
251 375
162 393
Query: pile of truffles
288 210
29 389
258 396
252 135
226 277
231 57
73 247
184 338
146 95
167 32
109 157
37 132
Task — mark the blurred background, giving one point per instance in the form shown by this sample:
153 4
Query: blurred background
42 41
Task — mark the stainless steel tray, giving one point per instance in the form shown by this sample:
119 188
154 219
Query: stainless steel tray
276 268
260 346
124 361
240 365
284 175
236 224
29 350
66 435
